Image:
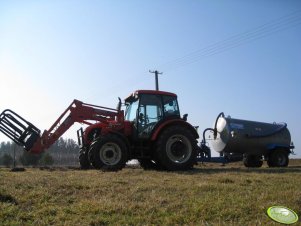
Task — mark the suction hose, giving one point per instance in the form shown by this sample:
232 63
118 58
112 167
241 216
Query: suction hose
204 138
214 130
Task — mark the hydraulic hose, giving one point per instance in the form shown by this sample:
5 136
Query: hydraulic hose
215 129
204 138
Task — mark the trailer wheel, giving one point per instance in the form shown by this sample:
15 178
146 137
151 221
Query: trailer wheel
84 160
108 153
176 148
252 161
278 158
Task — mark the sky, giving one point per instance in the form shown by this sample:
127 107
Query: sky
242 58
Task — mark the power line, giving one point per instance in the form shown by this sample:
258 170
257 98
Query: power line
270 27
282 23
226 47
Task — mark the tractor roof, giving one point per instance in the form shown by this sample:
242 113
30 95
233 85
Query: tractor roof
153 92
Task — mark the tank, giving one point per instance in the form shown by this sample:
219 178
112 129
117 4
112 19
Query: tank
249 137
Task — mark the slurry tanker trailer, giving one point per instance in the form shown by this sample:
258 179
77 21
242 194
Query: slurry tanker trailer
250 141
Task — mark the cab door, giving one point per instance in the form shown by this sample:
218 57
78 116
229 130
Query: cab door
149 114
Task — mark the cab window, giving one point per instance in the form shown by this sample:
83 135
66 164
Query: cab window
131 111
170 106
149 113
150 108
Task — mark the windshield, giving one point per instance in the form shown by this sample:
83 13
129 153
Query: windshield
131 111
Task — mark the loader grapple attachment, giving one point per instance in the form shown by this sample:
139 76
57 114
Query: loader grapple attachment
18 129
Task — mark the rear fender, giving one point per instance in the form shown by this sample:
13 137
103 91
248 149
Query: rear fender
272 147
158 129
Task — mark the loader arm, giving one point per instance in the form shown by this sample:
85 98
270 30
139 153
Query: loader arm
27 135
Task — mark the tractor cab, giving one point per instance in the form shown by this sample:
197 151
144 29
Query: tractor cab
146 109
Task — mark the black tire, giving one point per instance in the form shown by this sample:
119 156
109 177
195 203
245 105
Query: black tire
176 148
108 153
94 164
84 160
252 161
278 158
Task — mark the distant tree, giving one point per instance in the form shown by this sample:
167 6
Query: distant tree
46 160
9 148
63 152
5 147
71 146
61 144
7 160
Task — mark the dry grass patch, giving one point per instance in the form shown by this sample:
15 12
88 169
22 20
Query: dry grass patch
208 195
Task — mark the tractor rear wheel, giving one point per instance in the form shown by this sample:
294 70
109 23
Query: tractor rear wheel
176 148
108 153
278 158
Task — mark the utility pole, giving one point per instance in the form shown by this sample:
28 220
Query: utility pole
156 76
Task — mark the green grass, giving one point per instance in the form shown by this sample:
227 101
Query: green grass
208 195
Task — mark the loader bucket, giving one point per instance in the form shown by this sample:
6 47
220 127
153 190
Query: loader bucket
18 129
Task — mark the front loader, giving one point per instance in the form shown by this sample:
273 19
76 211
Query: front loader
151 130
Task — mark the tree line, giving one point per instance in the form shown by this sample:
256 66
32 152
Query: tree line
64 152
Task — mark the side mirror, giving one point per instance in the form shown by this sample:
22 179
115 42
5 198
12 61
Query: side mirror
185 117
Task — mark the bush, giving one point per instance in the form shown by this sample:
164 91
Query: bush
46 160
7 160
29 159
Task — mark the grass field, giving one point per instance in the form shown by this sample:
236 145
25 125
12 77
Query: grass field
211 194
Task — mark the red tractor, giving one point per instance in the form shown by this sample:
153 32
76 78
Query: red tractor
151 130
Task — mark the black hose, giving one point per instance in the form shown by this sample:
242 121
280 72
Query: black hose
215 129
204 138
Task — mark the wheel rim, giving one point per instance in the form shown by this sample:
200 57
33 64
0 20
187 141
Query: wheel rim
178 148
110 154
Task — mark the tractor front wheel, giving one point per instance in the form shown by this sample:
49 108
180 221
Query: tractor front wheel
84 160
108 153
177 148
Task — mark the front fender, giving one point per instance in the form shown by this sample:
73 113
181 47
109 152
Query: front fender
90 130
